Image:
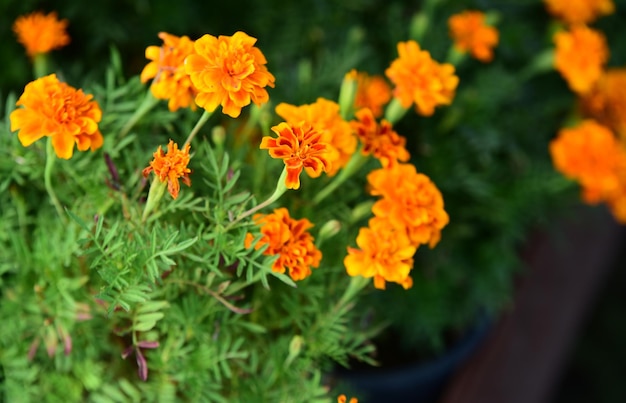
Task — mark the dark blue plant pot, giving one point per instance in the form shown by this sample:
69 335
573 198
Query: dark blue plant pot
419 383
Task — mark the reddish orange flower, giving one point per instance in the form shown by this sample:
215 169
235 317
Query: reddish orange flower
324 116
410 200
606 102
170 167
580 57
41 33
343 399
385 253
420 79
51 108
288 239
380 140
167 69
300 146
228 71
579 11
590 154
372 92
471 34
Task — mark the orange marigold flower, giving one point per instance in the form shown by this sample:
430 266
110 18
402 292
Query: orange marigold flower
385 253
170 167
325 118
471 34
420 79
343 399
606 102
409 200
299 146
41 33
579 11
372 92
167 69
590 154
380 140
580 57
228 71
55 109
288 239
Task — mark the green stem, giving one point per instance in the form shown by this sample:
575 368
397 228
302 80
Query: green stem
279 191
355 163
40 65
394 111
455 57
148 103
203 119
50 158
155 194
357 283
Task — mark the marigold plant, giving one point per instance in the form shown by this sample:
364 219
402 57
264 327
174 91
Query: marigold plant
324 116
579 11
580 56
167 70
409 200
300 146
289 240
372 92
421 80
380 140
590 154
385 253
51 108
41 33
170 167
470 33
606 101
228 71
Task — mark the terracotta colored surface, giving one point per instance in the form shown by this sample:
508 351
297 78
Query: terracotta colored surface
522 359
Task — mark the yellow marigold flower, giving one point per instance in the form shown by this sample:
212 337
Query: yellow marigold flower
380 140
288 238
170 167
471 34
580 56
228 71
579 11
420 79
385 252
41 33
409 200
167 69
325 118
590 154
55 109
300 147
343 399
372 92
606 102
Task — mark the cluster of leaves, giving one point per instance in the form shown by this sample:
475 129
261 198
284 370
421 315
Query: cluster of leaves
100 300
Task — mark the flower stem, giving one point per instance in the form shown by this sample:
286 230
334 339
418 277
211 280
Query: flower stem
203 119
40 65
279 191
148 103
355 163
50 158
394 111
156 192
